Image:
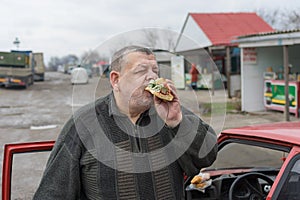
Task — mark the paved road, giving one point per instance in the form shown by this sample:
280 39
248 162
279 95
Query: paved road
39 112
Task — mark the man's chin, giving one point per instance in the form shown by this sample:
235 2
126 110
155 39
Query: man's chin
145 101
141 105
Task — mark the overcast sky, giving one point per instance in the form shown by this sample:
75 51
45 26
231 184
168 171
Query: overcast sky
59 28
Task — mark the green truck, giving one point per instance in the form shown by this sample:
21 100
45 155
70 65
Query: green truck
16 68
39 67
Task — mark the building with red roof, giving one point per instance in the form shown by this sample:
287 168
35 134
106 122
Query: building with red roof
219 29
215 32
222 28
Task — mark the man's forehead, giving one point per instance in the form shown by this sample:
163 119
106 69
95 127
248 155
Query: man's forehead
141 55
140 58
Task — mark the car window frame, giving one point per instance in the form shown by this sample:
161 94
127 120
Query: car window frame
295 153
264 144
16 148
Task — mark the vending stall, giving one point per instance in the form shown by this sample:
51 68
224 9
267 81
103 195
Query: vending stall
274 96
266 59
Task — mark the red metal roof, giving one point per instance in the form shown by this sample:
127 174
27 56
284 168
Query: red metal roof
281 131
221 28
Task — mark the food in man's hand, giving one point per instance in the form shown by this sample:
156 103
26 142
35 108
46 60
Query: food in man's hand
196 179
160 89
201 180
201 185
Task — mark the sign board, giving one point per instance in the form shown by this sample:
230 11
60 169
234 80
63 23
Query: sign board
249 55
177 71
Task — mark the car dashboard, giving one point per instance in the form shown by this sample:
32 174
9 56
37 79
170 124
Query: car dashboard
221 186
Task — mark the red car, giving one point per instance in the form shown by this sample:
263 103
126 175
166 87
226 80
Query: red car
254 162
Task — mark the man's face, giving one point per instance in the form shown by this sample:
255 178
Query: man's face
138 69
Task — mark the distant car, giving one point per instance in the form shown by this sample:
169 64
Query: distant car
79 76
254 162
70 69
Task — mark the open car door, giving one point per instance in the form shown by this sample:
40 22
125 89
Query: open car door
10 150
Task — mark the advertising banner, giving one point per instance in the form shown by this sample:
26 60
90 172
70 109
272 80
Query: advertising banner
249 56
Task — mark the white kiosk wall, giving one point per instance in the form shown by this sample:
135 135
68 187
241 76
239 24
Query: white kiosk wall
252 79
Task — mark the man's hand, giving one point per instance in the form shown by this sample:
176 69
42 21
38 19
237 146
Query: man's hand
169 111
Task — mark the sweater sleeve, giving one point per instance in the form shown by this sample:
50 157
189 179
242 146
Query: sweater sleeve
61 178
198 141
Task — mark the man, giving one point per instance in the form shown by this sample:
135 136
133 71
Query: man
129 144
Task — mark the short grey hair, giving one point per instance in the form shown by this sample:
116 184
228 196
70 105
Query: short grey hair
118 57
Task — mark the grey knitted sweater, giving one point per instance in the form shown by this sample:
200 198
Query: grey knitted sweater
100 154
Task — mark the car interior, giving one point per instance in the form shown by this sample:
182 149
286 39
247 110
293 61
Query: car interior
243 170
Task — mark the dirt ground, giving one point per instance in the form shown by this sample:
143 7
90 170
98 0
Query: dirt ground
39 112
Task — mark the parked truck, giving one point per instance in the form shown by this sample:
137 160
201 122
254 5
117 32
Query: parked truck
16 68
39 67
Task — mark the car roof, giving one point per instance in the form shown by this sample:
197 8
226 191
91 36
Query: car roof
282 131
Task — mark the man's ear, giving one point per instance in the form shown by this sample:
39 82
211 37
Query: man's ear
114 79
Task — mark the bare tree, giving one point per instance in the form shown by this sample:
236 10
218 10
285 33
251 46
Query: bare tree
53 63
90 57
161 39
65 60
281 19
170 39
69 60
292 20
273 17
151 38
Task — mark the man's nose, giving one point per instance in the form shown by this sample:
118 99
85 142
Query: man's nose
151 75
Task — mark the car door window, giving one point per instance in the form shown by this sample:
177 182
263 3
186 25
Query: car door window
27 171
245 155
291 186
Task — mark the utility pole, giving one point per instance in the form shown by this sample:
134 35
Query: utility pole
228 70
286 82
212 72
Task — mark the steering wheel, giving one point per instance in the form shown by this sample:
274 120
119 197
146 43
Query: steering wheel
247 187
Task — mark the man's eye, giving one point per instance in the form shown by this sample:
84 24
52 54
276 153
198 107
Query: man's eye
141 71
